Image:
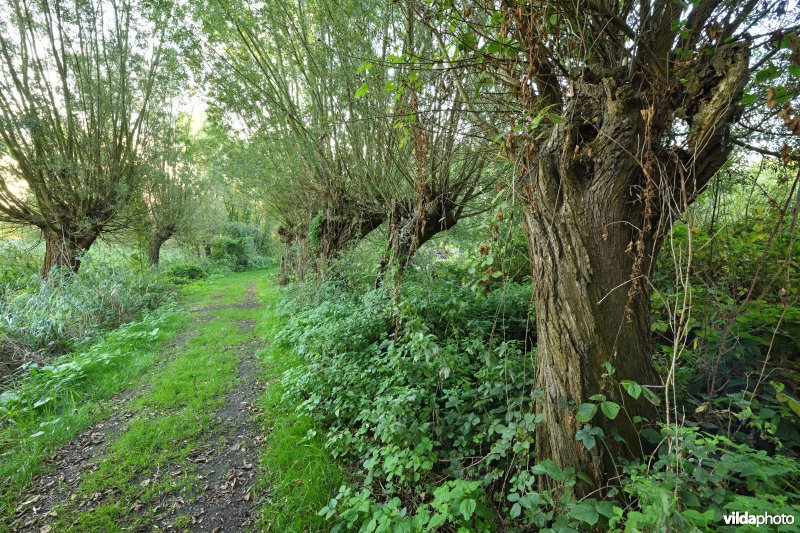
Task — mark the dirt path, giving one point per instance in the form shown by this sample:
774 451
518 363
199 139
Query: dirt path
200 483
227 465
64 469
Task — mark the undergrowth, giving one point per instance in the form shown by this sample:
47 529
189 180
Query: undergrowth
428 395
40 318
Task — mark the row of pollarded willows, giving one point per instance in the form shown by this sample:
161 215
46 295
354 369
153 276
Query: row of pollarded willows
606 121
91 140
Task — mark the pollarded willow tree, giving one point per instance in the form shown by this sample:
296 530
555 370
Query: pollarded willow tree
352 137
444 170
76 86
287 71
173 183
623 114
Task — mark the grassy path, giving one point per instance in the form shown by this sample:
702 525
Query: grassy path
204 442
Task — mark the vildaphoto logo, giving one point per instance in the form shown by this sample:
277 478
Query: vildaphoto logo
765 519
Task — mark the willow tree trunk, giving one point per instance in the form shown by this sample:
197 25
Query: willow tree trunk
411 226
336 232
63 250
596 201
582 235
286 236
157 240
296 252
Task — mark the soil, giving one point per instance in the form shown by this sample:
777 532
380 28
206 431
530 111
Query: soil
227 465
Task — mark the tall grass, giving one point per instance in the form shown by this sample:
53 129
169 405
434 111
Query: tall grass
40 318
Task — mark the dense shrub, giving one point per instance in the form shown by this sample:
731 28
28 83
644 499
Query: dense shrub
17 264
241 247
428 393
698 477
43 384
416 410
182 273
737 370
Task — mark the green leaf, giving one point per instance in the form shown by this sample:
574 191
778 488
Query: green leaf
651 397
547 467
610 409
8 396
793 404
437 520
588 440
605 508
362 90
659 326
42 402
554 118
768 74
587 436
585 512
586 412
651 435
632 388
516 510
467 507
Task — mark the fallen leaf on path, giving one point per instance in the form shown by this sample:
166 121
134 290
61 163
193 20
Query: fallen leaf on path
28 502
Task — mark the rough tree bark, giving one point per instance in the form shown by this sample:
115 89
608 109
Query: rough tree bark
335 233
286 236
596 200
157 240
296 252
410 226
64 249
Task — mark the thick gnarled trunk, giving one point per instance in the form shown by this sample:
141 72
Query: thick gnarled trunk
337 232
587 316
320 240
411 226
287 261
582 231
598 197
63 250
157 240
295 252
